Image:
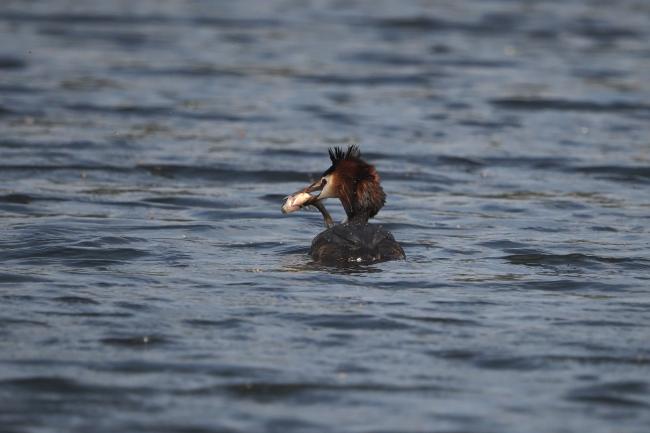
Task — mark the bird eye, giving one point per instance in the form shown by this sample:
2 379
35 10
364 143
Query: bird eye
323 182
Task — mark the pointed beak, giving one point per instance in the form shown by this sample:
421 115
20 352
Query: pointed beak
316 186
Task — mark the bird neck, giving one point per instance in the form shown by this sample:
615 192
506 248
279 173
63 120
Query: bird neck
362 201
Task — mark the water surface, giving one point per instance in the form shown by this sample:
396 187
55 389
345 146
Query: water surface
149 282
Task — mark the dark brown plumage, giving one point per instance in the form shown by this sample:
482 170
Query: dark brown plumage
356 183
355 243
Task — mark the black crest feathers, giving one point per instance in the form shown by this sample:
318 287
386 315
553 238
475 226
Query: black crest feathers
337 154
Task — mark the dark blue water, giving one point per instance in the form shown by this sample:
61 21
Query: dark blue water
149 282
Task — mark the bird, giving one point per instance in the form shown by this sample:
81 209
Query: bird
357 185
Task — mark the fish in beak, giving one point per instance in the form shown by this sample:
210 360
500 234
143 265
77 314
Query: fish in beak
303 197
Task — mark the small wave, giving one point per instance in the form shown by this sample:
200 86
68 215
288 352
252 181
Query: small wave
488 24
503 244
224 173
459 161
497 125
576 259
293 153
253 245
76 256
102 241
7 322
137 19
618 173
496 207
570 285
439 320
454 354
520 363
85 314
130 39
599 359
345 321
137 342
8 278
567 105
272 391
273 198
138 366
328 115
75 300
217 324
50 144
164 111
598 30
293 249
491 361
65 167
385 58
624 394
540 163
133 306
369 80
16 198
59 385
7 62
186 202
10 88
563 204
476 63
532 362
222 215
600 323
74 389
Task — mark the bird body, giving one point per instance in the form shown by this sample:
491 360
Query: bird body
357 185
355 243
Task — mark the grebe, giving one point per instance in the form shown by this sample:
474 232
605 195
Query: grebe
356 184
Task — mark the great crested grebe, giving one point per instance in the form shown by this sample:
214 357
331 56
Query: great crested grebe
356 184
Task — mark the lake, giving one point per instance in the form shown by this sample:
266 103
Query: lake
150 283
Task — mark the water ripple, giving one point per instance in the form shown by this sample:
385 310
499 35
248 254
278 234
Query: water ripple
149 280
